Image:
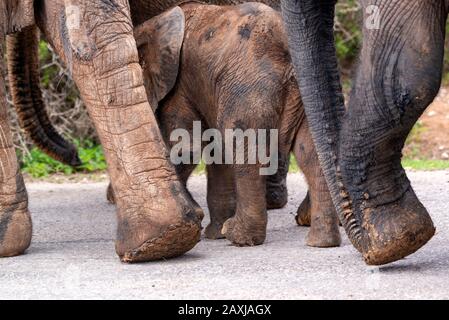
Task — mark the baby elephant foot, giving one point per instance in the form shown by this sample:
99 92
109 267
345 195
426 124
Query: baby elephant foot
244 234
213 231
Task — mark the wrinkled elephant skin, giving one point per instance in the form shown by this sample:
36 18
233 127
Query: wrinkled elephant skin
360 149
157 218
186 53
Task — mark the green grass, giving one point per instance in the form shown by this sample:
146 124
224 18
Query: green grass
425 165
293 165
413 164
39 165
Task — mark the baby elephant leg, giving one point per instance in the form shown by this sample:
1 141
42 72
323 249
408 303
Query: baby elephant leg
249 225
324 231
303 215
220 198
277 193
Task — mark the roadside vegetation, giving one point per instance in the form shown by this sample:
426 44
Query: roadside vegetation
68 114
39 165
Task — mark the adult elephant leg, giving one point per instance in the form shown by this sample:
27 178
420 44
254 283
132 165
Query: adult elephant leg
360 151
156 217
15 219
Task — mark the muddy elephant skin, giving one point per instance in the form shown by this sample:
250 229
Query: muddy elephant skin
157 218
229 68
360 149
15 219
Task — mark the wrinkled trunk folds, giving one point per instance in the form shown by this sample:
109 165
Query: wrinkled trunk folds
360 154
310 28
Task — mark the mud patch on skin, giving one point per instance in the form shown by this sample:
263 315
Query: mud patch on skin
4 222
239 124
209 34
109 6
245 32
123 229
175 190
190 215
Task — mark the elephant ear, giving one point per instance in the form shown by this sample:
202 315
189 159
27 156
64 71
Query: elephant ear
159 41
15 15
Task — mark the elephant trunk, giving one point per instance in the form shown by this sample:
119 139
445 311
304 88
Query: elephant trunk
359 154
24 78
310 29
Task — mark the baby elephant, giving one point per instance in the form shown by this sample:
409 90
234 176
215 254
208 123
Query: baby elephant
229 68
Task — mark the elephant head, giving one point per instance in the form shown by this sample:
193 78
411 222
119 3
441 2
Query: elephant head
360 149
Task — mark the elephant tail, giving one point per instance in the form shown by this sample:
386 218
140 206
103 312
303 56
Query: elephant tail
24 79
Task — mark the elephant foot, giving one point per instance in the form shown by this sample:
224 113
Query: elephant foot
243 234
110 194
171 229
324 231
15 232
174 241
276 197
213 231
396 230
303 216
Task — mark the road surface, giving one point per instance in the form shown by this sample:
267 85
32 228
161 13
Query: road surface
72 256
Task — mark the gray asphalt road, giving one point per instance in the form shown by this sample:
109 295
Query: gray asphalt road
72 256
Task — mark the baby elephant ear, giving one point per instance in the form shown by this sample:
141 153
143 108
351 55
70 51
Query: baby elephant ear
15 15
159 41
